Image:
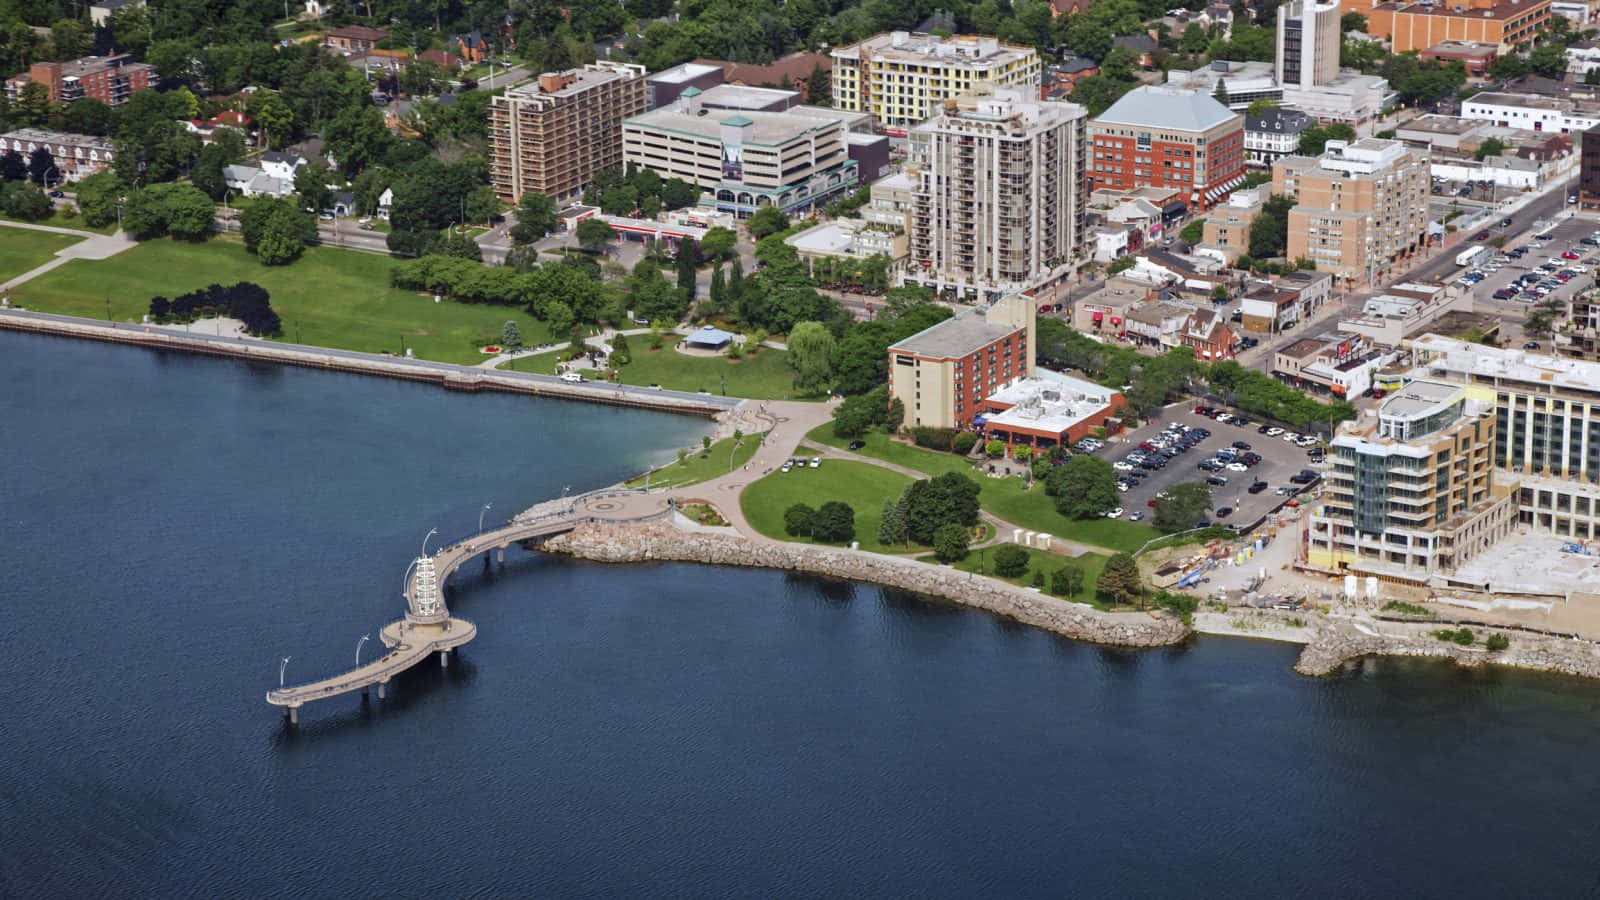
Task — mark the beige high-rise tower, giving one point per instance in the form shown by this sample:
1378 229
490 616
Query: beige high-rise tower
1308 43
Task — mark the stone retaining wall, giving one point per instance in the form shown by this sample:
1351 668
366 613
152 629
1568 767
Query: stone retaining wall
1334 646
660 541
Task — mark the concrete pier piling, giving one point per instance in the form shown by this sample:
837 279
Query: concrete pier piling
381 686
444 659
294 715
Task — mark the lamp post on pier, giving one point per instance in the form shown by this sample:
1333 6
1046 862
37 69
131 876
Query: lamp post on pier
485 509
364 639
281 668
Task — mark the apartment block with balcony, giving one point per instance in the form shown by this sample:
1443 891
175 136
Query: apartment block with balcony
109 79
1000 201
747 159
1359 208
1412 490
901 78
554 135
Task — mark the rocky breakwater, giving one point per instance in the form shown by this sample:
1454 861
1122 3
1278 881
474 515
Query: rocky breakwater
661 541
1336 644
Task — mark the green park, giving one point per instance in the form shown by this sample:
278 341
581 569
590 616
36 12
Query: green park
23 250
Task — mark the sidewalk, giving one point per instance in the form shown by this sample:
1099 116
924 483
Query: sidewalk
93 246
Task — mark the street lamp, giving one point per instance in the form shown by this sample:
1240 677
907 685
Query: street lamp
731 450
425 540
364 639
485 509
281 667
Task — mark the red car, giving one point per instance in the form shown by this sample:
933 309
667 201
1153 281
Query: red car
1568 254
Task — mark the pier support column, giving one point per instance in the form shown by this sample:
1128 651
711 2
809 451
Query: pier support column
444 659
294 715
500 556
381 686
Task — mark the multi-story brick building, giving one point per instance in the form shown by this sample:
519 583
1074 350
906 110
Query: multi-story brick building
109 79
945 372
1421 24
901 78
999 203
1168 137
552 136
1359 207
1413 488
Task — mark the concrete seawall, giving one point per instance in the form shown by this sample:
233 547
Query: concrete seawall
463 378
662 542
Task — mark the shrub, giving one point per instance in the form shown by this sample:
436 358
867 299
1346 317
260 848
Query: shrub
1497 642
1462 636
1410 609
933 438
950 542
1022 454
1181 605
1010 561
963 443
798 520
1038 578
995 449
1067 581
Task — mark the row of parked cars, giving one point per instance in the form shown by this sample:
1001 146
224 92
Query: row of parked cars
1283 434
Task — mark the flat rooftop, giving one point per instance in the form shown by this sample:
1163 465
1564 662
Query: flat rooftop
1417 398
1506 9
1434 123
1048 402
685 72
1459 358
739 96
1534 562
1533 101
829 237
962 50
1303 348
764 128
954 338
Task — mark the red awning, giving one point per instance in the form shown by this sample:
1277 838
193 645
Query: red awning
1097 316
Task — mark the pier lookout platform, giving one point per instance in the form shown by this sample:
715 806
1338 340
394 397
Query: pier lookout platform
428 627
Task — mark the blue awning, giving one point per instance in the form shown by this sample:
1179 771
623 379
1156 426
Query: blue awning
709 336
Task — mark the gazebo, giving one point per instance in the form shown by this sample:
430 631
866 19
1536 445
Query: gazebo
709 337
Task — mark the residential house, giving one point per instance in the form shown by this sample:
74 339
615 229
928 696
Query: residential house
354 39
76 156
281 165
1158 325
470 47
1207 332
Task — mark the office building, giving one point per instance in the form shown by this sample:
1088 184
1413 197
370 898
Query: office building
1171 138
999 203
1236 85
901 78
1530 112
1412 489
1308 43
1422 24
552 136
109 79
747 160
1359 207
944 372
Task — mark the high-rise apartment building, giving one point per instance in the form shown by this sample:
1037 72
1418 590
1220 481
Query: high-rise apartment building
747 159
552 136
1359 207
999 201
901 78
1413 487
1168 137
1308 43
1589 173
109 79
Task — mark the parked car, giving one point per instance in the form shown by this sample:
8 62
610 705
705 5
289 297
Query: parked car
1238 467
857 445
1217 480
1481 236
1114 513
1240 445
1258 487
1531 345
1224 512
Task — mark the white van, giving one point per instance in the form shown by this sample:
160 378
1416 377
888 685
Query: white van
572 377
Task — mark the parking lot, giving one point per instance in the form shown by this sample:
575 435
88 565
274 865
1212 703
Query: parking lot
1565 237
1279 461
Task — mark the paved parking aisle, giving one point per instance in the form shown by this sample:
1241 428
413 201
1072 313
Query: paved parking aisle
1280 460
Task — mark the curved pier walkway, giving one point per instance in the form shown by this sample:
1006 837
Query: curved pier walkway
428 626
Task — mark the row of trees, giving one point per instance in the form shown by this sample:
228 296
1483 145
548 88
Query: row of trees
559 293
834 522
1261 394
928 505
245 301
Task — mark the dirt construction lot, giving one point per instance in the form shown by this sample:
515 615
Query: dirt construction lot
1279 460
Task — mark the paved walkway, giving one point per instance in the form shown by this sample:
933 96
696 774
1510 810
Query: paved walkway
93 246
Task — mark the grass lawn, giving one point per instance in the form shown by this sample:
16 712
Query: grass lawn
702 465
333 297
765 376
862 485
22 249
1002 497
982 562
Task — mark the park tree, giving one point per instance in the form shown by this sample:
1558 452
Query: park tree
1489 147
1067 581
88 116
1010 561
97 198
811 350
21 200
13 166
688 263
42 167
834 523
536 217
950 542
1119 581
892 525
207 172
798 520
951 498
510 335
766 221
1083 488
1183 506
276 230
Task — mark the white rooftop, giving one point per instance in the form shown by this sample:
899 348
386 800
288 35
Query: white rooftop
1049 401
1460 358
682 73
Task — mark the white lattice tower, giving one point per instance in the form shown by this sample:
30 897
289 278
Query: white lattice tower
427 592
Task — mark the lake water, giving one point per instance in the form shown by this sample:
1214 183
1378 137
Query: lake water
174 525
